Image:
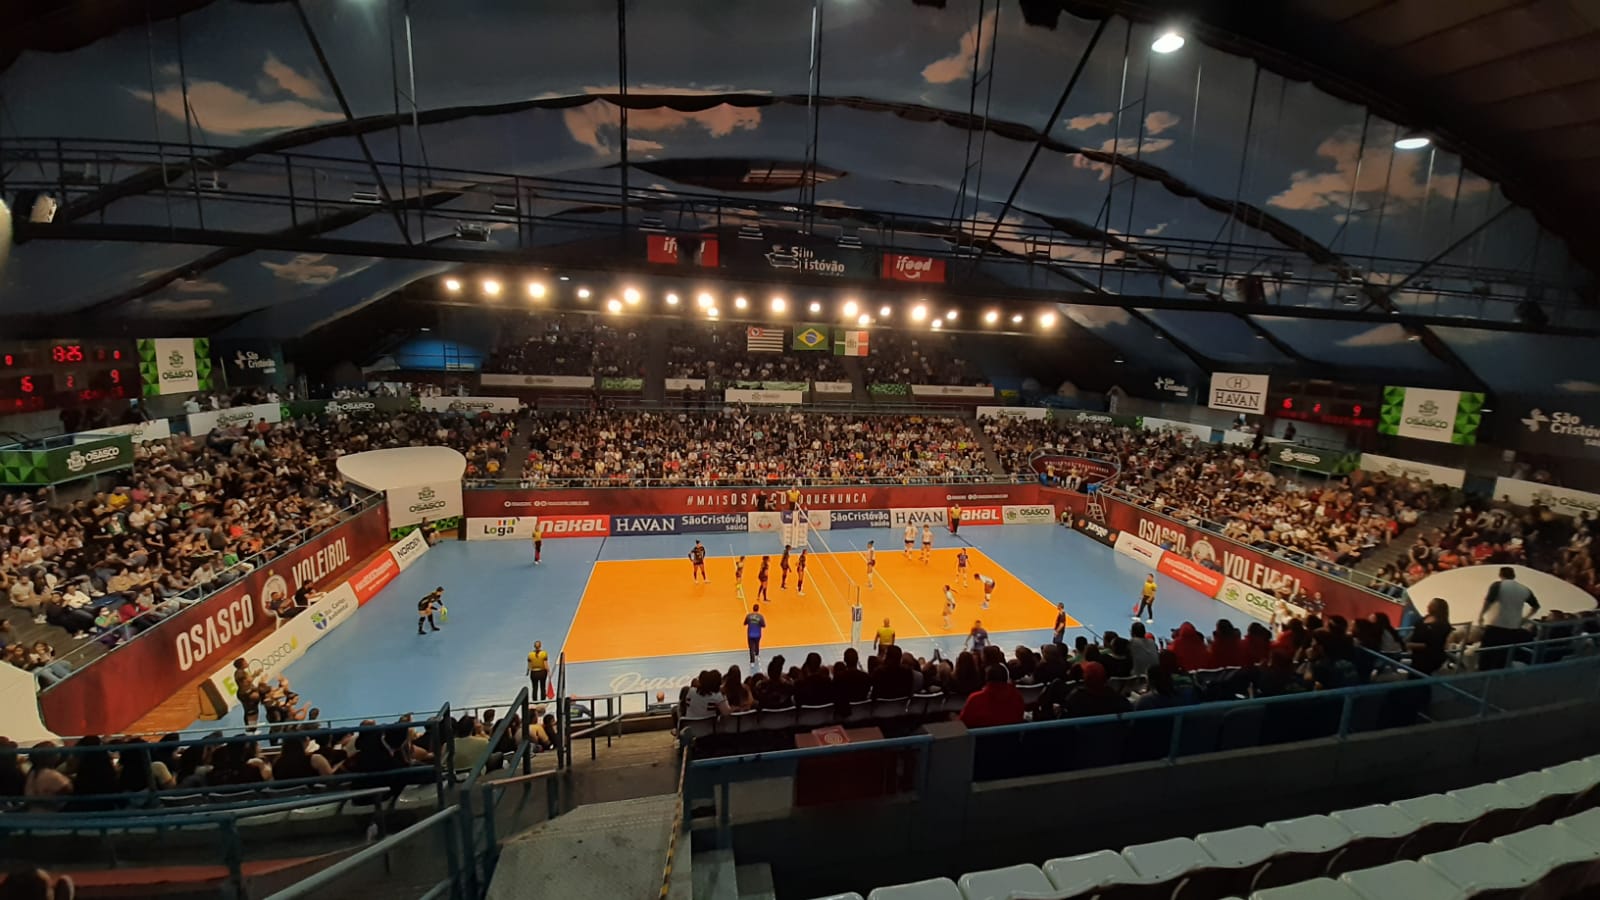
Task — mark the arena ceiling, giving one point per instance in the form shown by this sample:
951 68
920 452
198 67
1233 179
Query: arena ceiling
1264 147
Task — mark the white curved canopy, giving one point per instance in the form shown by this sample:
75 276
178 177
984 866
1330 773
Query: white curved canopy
382 470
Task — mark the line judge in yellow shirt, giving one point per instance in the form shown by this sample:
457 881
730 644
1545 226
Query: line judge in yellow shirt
884 639
538 670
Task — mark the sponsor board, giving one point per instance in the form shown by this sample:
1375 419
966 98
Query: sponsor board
1311 459
920 269
1187 572
1013 412
522 527
1139 549
502 379
928 515
1089 471
745 395
1238 392
978 392
409 549
153 430
796 254
1419 471
1252 602
411 505
1091 417
712 523
1028 515
832 387
816 519
1096 530
174 365
473 405
269 657
251 362
202 423
1428 414
112 692
858 518
672 385
90 456
498 503
625 525
1174 387
982 515
765 522
1557 426
375 576
1559 500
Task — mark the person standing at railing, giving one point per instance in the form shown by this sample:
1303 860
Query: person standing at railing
538 670
1505 598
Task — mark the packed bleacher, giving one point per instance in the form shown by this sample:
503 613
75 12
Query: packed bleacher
1482 533
719 352
743 446
571 344
906 357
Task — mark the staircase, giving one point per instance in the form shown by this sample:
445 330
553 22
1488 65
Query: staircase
717 876
989 456
1426 523
601 851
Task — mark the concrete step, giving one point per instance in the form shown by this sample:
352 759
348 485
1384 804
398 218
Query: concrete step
601 851
755 881
715 876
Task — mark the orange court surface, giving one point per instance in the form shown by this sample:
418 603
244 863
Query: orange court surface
634 609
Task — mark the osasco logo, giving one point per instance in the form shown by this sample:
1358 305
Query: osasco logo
77 461
426 501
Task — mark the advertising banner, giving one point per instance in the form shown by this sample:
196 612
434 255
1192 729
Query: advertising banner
520 528
202 423
632 385
408 550
1013 412
1426 414
1138 548
833 387
712 523
673 385
1311 459
111 693
1189 573
1405 468
982 515
174 366
251 363
816 519
1245 564
1168 387
1089 471
1027 515
858 518
1559 500
1238 392
498 504
626 525
470 405
1096 530
1091 417
963 391
782 398
375 575
918 269
764 522
1562 426
927 515
270 656
416 503
303 409
153 430
1198 432
687 250
1248 600
799 255
502 379
62 464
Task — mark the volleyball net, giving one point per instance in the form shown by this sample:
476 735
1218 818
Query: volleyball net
828 570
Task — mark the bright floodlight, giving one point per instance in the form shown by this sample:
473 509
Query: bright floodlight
672 299
1048 320
713 312
815 307
613 305
1016 319
452 285
850 308
583 293
937 323
919 312
1168 42
884 311
864 320
992 316
779 305
536 289
1414 142
491 287
950 316
704 300
631 295
740 303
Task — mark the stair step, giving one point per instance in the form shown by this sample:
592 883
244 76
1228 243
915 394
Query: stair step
715 877
754 881
602 850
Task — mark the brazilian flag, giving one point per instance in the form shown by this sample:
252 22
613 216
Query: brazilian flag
810 337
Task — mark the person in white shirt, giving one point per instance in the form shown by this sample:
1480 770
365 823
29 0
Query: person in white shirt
1502 608
927 542
911 538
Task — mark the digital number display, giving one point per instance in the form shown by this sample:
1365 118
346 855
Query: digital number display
37 375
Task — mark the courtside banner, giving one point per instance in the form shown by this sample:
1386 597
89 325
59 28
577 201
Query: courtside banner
858 518
1251 601
982 515
274 653
1043 514
927 515
1013 412
816 519
1139 548
764 522
520 528
421 502
201 423
1249 565
375 576
1089 471
498 504
624 525
1099 532
409 549
713 523
116 690
470 406
1186 571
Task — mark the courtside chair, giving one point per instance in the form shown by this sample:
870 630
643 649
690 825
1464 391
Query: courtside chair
931 889
1031 694
1498 807
1309 843
1003 884
1569 864
1442 818
1080 876
816 715
1238 854
1484 870
926 704
1404 880
1315 889
1379 831
740 722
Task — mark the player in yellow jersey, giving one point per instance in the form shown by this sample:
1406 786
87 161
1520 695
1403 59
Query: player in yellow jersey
1147 600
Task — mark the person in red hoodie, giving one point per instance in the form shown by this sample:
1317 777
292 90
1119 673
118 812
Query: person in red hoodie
1189 646
997 703
1227 647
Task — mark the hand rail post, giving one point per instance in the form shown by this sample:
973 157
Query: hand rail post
1345 714
1177 737
233 855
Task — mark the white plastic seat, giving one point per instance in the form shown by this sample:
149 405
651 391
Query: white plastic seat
1404 880
1483 867
1003 884
1074 875
1238 848
930 889
1575 777
1379 820
1435 809
1484 798
1531 787
1164 860
1310 834
320 811
1315 889
1548 846
1584 826
848 895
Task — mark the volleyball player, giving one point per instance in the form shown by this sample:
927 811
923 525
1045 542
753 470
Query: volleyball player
538 541
961 566
738 578
761 578
988 587
949 604
927 542
783 569
1147 600
911 538
697 556
431 603
800 573
872 562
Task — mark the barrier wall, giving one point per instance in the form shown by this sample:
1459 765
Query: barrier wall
497 504
111 693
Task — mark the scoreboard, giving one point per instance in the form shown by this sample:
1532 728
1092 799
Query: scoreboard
1325 402
37 375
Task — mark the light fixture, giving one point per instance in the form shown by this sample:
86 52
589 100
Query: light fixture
613 306
864 320
815 307
740 303
713 312
1169 42
564 278
1412 142
536 290
491 287
919 312
850 308
992 316
884 311
937 323
453 285
583 293
631 295
1118 360
704 300
1016 319
1048 320
779 304
672 299
950 316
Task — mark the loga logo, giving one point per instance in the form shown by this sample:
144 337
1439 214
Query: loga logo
500 527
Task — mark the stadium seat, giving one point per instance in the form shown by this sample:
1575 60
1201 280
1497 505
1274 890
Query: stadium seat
1239 854
1126 685
691 728
887 708
861 711
815 715
1478 868
1031 694
1315 889
1404 880
1078 875
1584 826
1166 860
1378 832
1442 818
1003 884
1566 861
1545 795
931 889
777 719
925 705
1498 810
740 723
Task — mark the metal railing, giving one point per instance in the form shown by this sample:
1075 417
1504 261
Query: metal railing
442 822
630 483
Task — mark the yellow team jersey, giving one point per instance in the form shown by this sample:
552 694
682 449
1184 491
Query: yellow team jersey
1149 590
538 661
885 637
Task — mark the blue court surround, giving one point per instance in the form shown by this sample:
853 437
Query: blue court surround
376 665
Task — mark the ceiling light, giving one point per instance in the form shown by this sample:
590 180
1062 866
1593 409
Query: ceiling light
536 289
992 316
704 300
613 305
815 307
950 316
564 278
1412 142
779 305
937 323
850 308
672 299
740 303
631 295
491 287
1016 319
1048 320
583 293
1169 42
919 312
452 285
883 312
713 312
1117 360
864 320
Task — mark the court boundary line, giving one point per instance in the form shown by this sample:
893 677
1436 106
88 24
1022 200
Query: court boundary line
926 631
818 594
583 594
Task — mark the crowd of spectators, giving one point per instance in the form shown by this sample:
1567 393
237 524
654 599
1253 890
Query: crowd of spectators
572 344
740 446
719 352
1480 533
903 357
